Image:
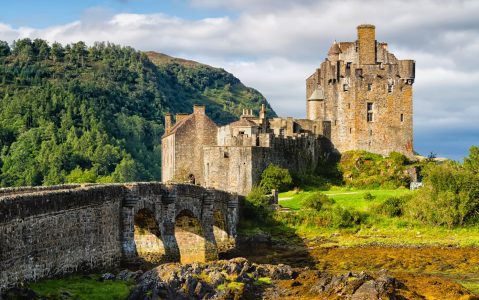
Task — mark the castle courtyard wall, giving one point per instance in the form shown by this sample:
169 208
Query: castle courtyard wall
239 168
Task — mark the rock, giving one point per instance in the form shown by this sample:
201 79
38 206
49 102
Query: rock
127 275
366 291
108 276
239 279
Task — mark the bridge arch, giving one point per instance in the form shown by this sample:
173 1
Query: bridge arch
220 230
190 237
150 248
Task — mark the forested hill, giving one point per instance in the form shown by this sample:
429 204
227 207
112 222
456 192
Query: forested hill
95 114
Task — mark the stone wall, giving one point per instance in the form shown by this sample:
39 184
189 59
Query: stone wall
56 232
239 168
46 232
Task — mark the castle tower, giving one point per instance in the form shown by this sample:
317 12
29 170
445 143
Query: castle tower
363 95
367 44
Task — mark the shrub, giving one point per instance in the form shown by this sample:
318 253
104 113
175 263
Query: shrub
367 170
257 205
275 177
450 196
392 206
316 201
368 196
342 217
471 162
316 181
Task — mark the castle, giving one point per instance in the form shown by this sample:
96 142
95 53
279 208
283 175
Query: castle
359 99
363 95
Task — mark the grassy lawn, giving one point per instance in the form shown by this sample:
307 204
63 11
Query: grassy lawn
377 229
348 198
82 287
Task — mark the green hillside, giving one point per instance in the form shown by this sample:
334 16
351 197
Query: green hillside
95 114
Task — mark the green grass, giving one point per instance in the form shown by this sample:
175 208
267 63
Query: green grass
263 280
82 288
231 286
471 286
348 198
375 229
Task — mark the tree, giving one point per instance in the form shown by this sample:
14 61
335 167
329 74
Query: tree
127 170
57 52
471 162
4 49
275 177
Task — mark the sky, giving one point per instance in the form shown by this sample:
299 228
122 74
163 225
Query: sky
274 45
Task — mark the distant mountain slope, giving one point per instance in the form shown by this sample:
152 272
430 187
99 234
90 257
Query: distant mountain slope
223 94
95 114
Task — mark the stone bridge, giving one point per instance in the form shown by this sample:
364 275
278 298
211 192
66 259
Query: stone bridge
52 231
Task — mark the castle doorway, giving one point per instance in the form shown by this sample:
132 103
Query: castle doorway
191 179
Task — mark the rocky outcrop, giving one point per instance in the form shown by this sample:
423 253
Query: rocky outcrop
240 279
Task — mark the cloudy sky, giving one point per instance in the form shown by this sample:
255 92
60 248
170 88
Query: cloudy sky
273 45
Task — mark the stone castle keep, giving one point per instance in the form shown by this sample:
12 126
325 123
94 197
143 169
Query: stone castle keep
360 99
363 95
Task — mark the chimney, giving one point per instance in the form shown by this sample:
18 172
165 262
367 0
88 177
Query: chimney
199 109
367 44
262 113
180 117
167 122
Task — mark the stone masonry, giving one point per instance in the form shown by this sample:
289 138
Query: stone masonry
53 231
365 93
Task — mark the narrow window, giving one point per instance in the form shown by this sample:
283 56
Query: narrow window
348 65
335 122
370 132
226 155
345 87
349 105
370 86
350 130
370 112
402 118
390 88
